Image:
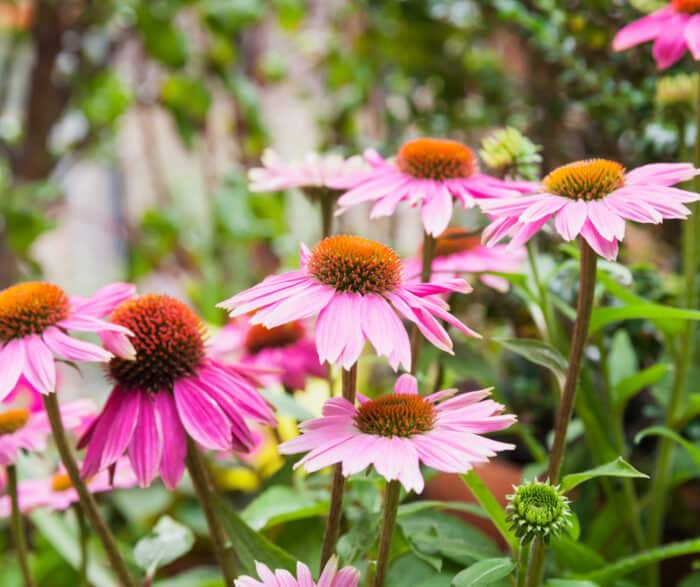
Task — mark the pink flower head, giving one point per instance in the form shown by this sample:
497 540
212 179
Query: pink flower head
34 320
593 198
313 174
396 432
357 288
458 253
429 172
170 389
288 350
673 29
28 430
57 493
330 577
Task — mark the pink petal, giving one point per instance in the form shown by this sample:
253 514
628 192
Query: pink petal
40 368
606 221
73 349
384 330
11 365
104 300
692 36
605 248
147 443
670 42
407 384
436 210
172 463
660 174
118 344
202 418
570 219
642 30
303 305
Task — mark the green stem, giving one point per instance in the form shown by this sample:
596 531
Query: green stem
18 526
87 500
326 203
206 496
664 459
83 537
584 307
391 506
335 510
429 243
523 562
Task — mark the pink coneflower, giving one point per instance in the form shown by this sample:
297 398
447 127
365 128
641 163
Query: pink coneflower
673 29
593 198
330 577
396 432
57 493
34 320
288 350
458 253
357 288
311 174
22 429
429 172
170 389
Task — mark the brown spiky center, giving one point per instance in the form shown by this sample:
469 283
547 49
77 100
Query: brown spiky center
396 415
258 337
455 240
13 420
686 6
168 339
590 179
30 308
437 159
355 264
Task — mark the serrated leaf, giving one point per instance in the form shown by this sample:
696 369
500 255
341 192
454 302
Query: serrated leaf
617 468
484 572
167 542
538 352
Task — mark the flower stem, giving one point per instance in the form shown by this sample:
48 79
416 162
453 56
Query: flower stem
83 537
206 497
391 506
326 203
664 459
584 307
335 510
523 562
428 255
18 527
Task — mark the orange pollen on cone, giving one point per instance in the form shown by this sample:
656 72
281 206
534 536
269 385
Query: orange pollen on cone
355 264
401 415
13 420
437 159
687 6
168 339
455 240
61 482
258 337
30 308
590 179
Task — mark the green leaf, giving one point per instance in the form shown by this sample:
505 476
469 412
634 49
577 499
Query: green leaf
622 359
693 450
408 509
626 388
569 583
281 504
167 542
484 572
250 546
617 468
603 316
575 556
538 352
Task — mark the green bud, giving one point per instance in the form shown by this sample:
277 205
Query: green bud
538 509
676 94
512 155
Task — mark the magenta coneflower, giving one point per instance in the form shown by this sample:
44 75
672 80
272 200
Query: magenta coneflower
593 198
170 389
330 577
57 493
22 429
458 253
357 288
396 432
34 320
288 350
426 172
674 28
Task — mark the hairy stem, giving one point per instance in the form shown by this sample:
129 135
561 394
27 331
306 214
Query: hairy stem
428 255
584 307
391 506
206 496
664 459
18 527
87 500
335 510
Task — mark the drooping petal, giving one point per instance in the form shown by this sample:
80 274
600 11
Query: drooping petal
146 445
172 463
40 368
202 418
670 42
11 366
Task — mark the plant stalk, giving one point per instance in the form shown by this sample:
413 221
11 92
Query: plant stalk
206 496
523 561
326 203
666 450
83 537
18 527
87 500
428 254
335 510
391 506
584 307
